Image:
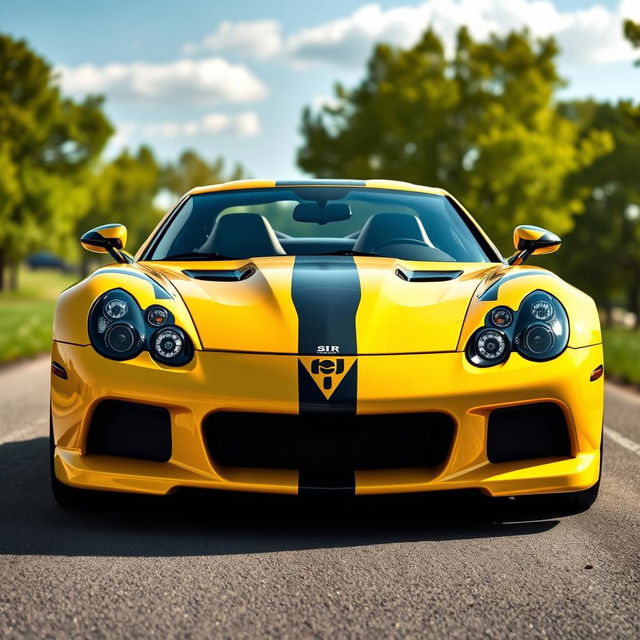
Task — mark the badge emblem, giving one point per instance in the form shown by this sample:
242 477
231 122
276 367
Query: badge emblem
327 373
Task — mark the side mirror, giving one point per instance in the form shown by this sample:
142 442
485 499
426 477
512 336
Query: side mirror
532 241
109 238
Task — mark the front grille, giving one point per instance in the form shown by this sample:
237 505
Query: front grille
527 431
328 442
130 430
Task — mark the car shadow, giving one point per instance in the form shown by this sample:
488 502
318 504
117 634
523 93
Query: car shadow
196 523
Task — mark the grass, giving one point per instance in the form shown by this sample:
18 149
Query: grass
26 315
622 354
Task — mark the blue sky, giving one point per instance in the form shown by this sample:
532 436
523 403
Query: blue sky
231 78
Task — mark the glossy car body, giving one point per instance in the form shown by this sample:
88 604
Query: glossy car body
327 373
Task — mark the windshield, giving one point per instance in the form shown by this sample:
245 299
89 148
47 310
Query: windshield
320 221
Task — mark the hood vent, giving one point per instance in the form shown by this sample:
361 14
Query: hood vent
427 276
220 275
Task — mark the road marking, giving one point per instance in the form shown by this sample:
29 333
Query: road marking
21 434
623 441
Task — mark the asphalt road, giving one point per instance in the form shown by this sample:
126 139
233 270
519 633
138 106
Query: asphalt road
206 566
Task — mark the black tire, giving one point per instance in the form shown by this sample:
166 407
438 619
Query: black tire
63 494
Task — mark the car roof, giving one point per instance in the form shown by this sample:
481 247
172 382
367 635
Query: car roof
311 182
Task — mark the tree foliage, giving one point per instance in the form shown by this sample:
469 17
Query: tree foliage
632 34
123 191
48 145
54 184
193 170
481 123
602 254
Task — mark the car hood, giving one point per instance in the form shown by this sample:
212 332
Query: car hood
325 304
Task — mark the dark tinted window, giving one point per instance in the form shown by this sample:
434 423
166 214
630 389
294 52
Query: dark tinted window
399 224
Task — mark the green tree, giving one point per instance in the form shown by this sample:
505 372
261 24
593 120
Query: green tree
48 145
191 170
632 34
135 183
602 253
481 124
123 191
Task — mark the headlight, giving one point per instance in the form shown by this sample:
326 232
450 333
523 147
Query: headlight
488 347
501 317
171 346
116 326
121 338
116 308
538 338
119 329
539 330
542 310
157 316
542 328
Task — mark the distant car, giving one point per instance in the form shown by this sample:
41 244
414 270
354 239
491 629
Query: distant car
322 336
47 260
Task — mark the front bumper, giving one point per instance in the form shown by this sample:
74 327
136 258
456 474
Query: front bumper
263 383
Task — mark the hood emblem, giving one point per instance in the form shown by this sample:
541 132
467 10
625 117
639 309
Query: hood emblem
327 373
328 348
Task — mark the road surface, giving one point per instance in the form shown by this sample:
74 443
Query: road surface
266 567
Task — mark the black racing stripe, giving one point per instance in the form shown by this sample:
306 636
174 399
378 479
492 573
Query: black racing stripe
326 295
321 181
321 483
160 292
492 292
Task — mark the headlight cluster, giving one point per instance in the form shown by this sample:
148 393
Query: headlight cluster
539 331
119 329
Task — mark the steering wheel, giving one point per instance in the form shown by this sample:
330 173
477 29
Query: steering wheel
394 241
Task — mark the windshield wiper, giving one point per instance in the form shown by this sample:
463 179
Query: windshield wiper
195 255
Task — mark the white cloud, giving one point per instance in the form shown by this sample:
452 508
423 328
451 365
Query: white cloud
586 36
248 124
206 82
591 35
260 39
164 200
244 125
321 101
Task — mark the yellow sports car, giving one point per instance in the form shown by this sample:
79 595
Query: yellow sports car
319 336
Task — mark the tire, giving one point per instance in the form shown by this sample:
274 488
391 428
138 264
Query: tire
63 494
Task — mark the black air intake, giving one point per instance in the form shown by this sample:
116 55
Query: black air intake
328 441
130 430
427 276
526 432
220 275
